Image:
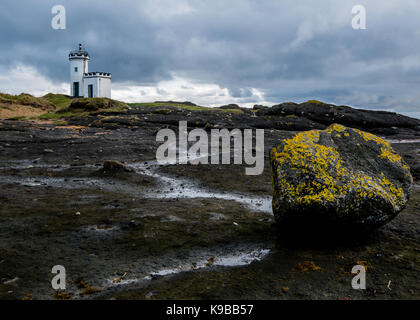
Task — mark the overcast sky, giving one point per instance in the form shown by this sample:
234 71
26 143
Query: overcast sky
215 52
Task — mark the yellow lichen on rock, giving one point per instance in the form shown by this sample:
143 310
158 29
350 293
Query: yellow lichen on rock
309 170
335 127
371 137
306 266
389 154
303 153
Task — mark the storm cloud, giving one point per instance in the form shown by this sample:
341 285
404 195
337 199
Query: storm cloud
217 52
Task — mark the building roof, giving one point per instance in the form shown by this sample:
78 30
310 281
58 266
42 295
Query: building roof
97 74
79 53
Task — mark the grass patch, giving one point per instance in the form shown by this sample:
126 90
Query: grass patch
25 99
68 107
237 111
169 104
83 107
61 101
95 104
182 106
61 114
17 118
315 102
60 123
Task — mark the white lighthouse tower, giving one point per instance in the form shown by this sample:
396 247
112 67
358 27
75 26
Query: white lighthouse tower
84 83
79 61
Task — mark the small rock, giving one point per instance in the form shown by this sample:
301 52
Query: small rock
112 166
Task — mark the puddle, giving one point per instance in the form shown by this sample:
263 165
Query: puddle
237 260
234 260
241 260
173 188
170 188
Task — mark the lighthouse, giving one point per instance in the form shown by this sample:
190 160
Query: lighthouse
84 83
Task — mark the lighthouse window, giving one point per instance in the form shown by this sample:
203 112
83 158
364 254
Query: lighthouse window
76 69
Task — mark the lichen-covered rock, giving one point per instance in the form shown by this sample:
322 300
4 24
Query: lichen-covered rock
338 176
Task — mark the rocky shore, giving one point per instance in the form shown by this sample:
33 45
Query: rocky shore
81 188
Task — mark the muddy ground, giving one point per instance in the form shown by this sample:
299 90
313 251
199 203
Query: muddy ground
172 232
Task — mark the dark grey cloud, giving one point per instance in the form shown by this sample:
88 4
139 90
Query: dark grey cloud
288 50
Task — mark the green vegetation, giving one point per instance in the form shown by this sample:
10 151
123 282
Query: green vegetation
169 104
228 110
17 118
60 123
61 114
185 106
61 101
60 106
25 100
68 107
315 102
95 104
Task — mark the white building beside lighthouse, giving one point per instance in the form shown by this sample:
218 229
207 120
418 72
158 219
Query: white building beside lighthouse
84 83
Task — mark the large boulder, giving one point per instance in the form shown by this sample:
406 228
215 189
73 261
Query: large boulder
339 176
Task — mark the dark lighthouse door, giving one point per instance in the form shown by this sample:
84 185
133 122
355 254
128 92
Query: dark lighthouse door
75 89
